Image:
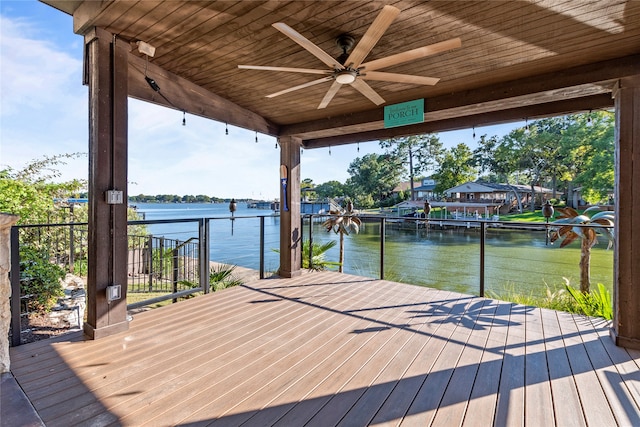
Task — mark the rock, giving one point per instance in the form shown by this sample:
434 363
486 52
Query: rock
6 221
69 311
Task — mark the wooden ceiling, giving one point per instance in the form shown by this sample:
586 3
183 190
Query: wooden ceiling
519 59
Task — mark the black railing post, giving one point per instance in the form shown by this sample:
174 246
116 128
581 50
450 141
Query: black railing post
203 254
382 239
483 229
150 262
176 267
16 328
261 247
311 241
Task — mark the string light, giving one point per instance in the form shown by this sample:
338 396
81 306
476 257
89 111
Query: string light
526 126
474 133
184 118
358 145
226 129
329 150
256 137
589 119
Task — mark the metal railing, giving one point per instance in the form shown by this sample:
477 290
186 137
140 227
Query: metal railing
468 255
160 266
465 255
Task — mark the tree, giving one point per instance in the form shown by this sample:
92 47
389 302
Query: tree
589 153
373 177
568 232
308 192
342 222
31 192
330 189
422 153
456 168
531 162
498 159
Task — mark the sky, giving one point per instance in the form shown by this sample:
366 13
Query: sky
44 112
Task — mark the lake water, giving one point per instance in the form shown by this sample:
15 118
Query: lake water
515 260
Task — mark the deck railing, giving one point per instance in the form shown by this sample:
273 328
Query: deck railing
470 255
466 255
159 267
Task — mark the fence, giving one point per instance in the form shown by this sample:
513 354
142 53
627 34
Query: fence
470 256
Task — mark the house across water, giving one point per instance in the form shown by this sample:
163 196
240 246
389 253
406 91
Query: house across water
498 194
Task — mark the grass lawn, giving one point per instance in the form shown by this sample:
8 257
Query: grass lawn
525 217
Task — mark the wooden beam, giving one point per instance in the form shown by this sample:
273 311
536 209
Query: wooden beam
85 17
464 122
290 226
180 94
107 231
626 320
601 73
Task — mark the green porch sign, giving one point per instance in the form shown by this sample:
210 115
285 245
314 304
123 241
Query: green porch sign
405 113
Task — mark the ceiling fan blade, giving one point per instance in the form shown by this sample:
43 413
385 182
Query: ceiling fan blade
373 34
302 86
287 69
367 91
411 55
399 78
307 44
329 95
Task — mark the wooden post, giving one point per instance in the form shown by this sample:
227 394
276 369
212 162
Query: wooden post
290 232
107 72
626 296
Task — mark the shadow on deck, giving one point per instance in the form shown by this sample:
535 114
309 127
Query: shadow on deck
333 349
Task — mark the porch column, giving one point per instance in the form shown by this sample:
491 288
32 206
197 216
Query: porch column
626 296
106 68
290 232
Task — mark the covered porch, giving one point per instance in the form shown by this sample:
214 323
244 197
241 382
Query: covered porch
516 61
326 348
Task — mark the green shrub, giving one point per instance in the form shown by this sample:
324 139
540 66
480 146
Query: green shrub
39 278
221 277
556 299
81 267
318 262
596 303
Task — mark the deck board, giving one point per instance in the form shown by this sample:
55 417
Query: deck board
510 403
331 349
560 375
610 379
481 407
595 406
538 399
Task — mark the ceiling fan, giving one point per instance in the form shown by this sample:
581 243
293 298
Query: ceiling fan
350 68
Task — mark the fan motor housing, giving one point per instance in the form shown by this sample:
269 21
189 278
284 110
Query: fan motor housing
346 43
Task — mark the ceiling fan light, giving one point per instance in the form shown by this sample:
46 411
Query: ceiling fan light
346 77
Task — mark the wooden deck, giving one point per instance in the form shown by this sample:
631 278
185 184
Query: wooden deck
329 349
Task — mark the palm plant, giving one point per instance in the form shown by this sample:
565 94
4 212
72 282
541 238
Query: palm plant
221 277
343 222
318 251
571 228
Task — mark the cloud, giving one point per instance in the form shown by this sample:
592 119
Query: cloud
43 108
34 73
